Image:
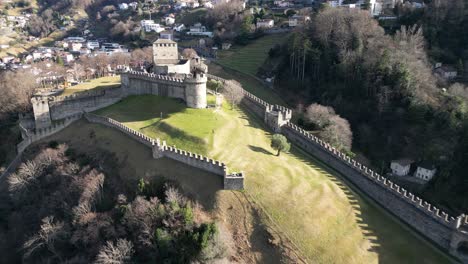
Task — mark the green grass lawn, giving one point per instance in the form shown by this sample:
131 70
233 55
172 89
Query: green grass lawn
99 83
186 128
327 220
247 59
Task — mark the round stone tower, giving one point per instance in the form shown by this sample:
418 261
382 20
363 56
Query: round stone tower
195 90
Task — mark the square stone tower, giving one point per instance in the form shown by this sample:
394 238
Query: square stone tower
165 52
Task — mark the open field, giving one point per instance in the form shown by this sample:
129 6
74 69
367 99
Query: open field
309 203
247 59
99 83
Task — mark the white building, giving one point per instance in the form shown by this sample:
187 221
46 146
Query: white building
401 167
425 171
208 5
92 44
75 46
193 4
199 30
179 28
169 20
133 5
123 6
265 23
150 25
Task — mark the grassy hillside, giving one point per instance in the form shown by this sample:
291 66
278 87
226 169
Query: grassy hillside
247 59
307 201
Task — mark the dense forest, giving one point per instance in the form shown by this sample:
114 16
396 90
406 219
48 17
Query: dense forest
445 25
383 85
65 207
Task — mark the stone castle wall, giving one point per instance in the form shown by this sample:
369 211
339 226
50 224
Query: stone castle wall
193 91
232 181
422 216
428 220
31 136
65 106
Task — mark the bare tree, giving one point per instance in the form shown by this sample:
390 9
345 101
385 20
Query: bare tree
233 92
319 115
16 89
338 133
120 253
140 56
46 238
189 53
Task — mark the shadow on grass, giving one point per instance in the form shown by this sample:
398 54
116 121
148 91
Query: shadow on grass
136 108
260 150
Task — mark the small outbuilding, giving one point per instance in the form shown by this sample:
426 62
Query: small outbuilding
425 171
401 167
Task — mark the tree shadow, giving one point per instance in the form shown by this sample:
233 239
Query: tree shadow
260 150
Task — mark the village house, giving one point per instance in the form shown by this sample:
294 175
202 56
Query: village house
425 171
167 34
297 20
150 25
180 5
92 44
226 46
123 6
75 46
401 167
265 23
193 4
169 19
133 5
199 30
208 5
445 71
282 3
179 27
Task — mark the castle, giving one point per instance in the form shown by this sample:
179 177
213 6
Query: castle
186 79
172 76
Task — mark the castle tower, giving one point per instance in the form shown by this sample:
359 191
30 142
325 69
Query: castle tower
195 90
41 112
165 52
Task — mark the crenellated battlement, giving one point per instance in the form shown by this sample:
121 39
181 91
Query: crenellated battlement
232 180
153 76
32 135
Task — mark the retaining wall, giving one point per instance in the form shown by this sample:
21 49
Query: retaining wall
232 181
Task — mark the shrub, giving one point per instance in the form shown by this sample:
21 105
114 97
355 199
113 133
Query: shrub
53 144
